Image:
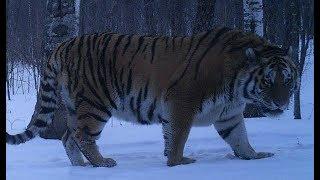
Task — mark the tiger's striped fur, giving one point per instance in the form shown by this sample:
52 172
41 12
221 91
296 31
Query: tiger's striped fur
179 82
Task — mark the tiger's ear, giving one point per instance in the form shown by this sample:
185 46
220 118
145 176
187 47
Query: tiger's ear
251 55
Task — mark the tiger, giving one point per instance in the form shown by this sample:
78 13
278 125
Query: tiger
179 82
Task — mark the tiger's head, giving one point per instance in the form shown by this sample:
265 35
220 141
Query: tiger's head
272 80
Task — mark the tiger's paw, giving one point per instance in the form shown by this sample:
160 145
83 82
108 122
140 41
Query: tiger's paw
184 160
107 162
261 155
258 155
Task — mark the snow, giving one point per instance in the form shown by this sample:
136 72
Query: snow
138 150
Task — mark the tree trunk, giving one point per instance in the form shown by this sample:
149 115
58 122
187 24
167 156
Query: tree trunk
292 25
204 16
63 23
306 12
297 110
176 12
150 17
253 16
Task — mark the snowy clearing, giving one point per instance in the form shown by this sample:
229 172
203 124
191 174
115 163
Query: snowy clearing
138 150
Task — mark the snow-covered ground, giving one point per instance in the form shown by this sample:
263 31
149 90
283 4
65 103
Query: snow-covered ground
139 149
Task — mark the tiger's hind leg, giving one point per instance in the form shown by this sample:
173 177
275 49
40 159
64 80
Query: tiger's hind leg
91 121
73 152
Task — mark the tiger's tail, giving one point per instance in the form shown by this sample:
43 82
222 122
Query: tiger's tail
48 104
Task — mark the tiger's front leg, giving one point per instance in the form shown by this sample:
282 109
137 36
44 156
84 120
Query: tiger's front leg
233 131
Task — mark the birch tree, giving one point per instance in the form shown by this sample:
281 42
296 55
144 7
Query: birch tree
204 16
63 23
253 22
253 16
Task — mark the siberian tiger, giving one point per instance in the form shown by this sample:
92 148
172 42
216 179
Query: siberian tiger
202 80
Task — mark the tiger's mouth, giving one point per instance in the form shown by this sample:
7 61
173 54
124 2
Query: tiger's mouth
270 112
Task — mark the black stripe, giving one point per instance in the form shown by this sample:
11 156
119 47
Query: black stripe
138 104
102 75
140 42
46 110
46 87
144 48
232 38
245 88
50 69
146 87
254 85
167 44
92 115
132 105
190 46
153 49
69 46
189 59
21 138
161 120
121 75
121 84
93 90
47 78
116 84
232 84
127 44
201 102
226 132
58 49
70 80
48 99
129 82
71 110
94 39
240 46
165 137
40 123
116 47
80 44
96 105
173 42
10 139
29 134
86 130
90 62
151 109
212 43
181 43
78 96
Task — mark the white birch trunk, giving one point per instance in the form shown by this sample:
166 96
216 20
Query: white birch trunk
253 16
62 22
77 14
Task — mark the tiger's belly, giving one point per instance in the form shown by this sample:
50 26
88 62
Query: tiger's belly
146 111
